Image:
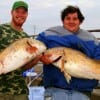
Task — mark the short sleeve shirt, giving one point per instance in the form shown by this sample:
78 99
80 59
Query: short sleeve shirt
12 82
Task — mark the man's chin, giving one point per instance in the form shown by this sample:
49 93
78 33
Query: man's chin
19 24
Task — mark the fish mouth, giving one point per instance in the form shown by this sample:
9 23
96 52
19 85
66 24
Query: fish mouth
57 59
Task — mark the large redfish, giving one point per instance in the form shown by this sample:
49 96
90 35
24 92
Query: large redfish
74 63
19 53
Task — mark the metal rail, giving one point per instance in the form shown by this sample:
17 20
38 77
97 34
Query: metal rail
92 30
95 30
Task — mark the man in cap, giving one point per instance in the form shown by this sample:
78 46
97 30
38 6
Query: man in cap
12 84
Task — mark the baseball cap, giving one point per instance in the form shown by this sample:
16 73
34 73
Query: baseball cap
18 4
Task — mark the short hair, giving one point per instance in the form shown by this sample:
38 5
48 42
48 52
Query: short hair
72 9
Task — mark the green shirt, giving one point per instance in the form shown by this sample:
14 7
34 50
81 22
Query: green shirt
12 82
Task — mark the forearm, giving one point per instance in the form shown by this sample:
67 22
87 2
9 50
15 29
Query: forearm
31 63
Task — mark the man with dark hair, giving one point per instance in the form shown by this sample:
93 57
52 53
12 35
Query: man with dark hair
68 35
12 84
71 9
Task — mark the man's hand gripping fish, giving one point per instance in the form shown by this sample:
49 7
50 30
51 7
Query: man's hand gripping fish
73 63
19 53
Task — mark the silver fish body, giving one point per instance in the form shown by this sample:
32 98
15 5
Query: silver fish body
19 53
74 63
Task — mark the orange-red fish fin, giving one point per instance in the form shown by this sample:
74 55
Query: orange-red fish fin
31 49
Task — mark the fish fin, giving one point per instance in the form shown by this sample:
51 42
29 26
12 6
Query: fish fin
31 49
63 61
62 65
68 77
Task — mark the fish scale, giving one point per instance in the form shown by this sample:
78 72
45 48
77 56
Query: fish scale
19 53
75 63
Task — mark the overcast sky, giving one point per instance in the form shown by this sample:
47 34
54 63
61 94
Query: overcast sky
46 13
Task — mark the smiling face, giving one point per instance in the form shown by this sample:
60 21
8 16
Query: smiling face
19 16
71 22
